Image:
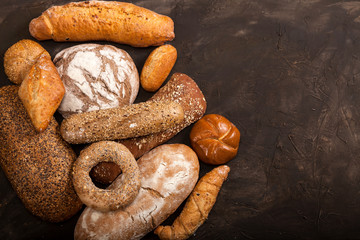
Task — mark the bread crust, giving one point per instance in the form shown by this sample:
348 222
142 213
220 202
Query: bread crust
38 165
169 173
119 22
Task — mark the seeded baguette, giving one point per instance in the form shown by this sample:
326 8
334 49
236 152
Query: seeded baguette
113 21
119 123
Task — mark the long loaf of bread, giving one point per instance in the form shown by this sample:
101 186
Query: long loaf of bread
181 89
118 123
38 165
101 20
197 207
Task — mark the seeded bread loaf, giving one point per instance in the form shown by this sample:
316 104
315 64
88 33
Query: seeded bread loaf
119 123
38 165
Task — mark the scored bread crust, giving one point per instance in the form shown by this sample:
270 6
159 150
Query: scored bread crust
119 22
168 175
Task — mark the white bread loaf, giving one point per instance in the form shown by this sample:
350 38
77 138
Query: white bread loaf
169 173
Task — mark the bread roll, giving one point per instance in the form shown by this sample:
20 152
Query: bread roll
20 57
215 139
181 89
157 67
96 77
38 165
118 123
169 173
101 20
41 92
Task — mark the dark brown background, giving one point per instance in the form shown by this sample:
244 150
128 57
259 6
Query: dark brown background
287 74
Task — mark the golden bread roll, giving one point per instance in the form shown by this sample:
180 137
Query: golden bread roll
215 139
157 67
41 92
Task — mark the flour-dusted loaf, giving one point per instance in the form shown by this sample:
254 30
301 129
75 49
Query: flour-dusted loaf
96 77
181 89
119 22
38 165
169 173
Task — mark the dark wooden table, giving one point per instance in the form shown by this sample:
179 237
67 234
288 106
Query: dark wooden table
287 74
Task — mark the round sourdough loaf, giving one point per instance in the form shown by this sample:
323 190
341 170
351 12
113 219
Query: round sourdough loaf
96 77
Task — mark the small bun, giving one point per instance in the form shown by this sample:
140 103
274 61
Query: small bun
215 139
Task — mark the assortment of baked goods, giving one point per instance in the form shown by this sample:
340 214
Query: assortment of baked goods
168 175
94 87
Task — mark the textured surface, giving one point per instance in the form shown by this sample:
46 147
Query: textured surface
96 77
286 73
38 166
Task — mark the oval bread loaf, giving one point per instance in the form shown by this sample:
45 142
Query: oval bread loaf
38 165
169 173
157 67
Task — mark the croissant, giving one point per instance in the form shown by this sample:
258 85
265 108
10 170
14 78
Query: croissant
197 207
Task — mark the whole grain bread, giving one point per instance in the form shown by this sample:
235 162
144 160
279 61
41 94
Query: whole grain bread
38 165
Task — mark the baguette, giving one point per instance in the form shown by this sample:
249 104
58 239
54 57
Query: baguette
181 89
118 123
197 207
169 173
38 165
101 20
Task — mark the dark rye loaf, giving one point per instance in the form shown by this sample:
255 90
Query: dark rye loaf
38 165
